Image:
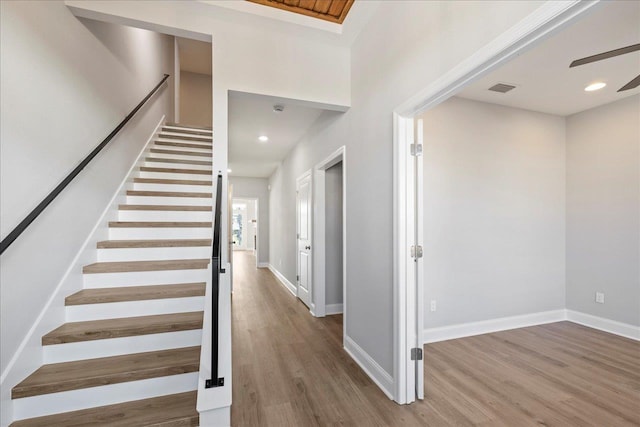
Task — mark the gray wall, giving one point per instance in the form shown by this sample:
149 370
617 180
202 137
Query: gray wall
494 212
603 210
66 83
196 103
256 187
435 37
333 234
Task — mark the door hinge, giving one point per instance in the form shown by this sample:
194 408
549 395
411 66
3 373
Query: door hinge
416 149
416 251
416 353
297 278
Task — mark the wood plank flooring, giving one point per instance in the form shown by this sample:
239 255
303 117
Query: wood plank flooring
290 370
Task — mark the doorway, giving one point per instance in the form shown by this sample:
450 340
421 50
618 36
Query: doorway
330 236
244 224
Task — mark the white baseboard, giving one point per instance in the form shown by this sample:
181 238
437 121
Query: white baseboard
462 330
263 265
333 309
370 366
287 284
618 328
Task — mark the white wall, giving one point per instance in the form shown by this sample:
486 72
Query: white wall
333 235
603 210
66 83
429 39
494 212
256 188
195 99
376 75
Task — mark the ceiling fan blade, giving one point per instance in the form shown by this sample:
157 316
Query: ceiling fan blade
631 85
605 55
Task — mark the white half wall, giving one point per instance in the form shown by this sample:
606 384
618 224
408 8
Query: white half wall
66 83
603 211
256 188
494 212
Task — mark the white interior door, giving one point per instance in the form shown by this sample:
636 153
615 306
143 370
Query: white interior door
303 204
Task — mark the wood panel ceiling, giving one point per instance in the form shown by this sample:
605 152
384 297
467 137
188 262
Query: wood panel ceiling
328 10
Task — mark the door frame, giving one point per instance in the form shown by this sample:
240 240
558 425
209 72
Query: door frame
543 22
312 251
319 224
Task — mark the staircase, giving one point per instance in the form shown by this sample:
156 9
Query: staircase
129 352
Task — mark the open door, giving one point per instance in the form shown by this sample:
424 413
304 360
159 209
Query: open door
303 209
408 260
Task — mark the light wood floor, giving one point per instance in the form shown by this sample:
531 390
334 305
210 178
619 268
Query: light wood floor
289 369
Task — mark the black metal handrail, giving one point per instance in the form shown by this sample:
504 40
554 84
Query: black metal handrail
16 232
216 270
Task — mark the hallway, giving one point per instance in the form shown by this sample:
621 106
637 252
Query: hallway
289 369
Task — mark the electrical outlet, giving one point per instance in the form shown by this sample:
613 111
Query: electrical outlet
433 305
600 297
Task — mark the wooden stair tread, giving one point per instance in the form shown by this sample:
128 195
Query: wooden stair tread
194 131
174 410
135 293
179 152
178 161
176 134
182 144
173 170
171 181
131 266
168 243
92 330
173 208
80 374
169 194
188 126
159 224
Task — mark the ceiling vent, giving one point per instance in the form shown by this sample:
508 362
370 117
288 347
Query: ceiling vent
278 108
502 88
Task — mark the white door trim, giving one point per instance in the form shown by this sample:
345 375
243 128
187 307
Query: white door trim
319 221
552 16
305 175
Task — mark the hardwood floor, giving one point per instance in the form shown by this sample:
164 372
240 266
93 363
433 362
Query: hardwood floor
289 369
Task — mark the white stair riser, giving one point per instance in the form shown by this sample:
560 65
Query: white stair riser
173 175
53 403
165 216
161 200
113 310
196 149
60 353
150 254
143 186
174 156
145 233
141 278
183 128
176 165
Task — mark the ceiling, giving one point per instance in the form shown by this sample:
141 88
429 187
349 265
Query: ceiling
545 83
328 10
195 56
252 115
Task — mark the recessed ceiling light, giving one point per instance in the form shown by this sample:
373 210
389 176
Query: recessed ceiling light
229 171
595 86
263 138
